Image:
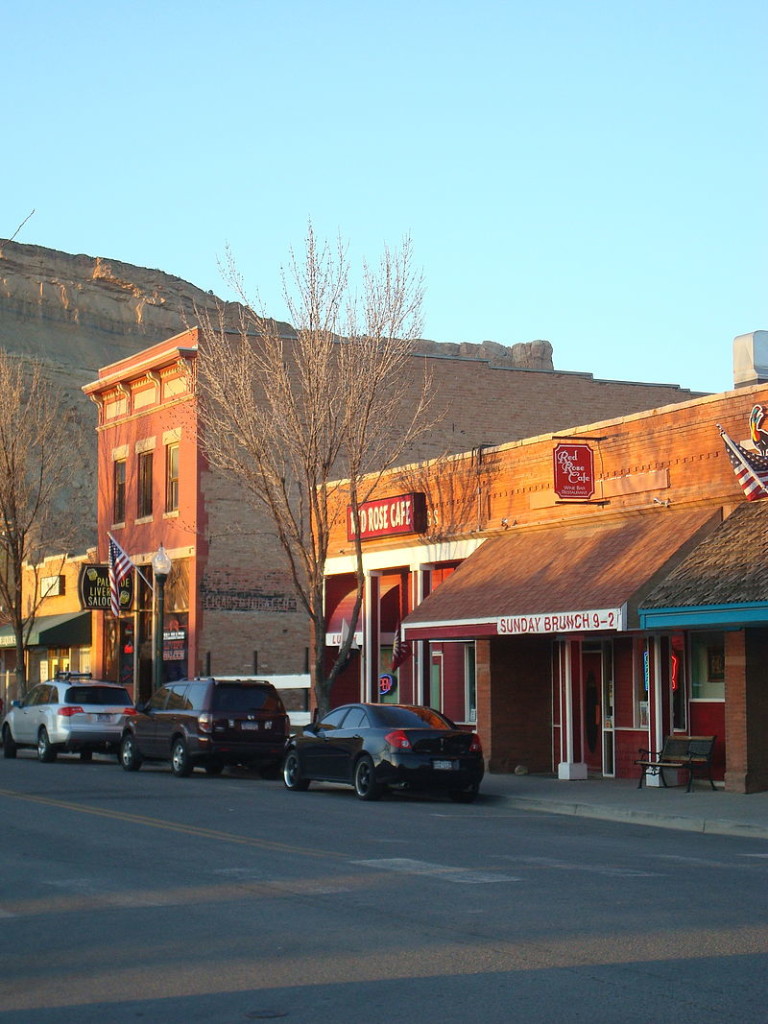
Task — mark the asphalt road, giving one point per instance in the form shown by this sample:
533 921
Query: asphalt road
142 897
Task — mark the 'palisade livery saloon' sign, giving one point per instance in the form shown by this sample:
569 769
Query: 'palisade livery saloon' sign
93 587
403 513
574 468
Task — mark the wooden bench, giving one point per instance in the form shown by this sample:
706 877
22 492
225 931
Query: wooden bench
686 753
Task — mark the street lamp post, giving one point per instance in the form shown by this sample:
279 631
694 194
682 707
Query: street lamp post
161 568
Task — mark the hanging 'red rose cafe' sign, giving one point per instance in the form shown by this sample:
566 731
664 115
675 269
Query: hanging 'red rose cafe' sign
574 469
403 513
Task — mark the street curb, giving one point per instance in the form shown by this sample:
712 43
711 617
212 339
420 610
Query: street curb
636 817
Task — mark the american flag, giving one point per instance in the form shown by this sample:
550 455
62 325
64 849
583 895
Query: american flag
120 566
401 650
751 468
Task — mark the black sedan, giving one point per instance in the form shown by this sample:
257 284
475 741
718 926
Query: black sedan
378 746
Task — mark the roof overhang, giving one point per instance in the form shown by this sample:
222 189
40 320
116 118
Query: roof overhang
72 629
722 582
574 578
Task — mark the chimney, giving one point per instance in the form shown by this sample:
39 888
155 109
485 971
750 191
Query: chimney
750 359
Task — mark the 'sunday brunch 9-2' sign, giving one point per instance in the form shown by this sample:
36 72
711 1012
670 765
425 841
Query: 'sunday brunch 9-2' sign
581 621
403 513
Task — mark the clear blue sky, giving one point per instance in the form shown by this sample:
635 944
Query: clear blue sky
585 171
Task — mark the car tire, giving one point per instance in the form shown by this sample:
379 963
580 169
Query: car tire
366 786
181 765
9 745
292 776
46 752
465 796
86 755
129 756
214 768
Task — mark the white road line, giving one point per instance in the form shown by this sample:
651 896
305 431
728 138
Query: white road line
465 876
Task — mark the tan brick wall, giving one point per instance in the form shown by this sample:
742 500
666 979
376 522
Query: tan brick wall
673 454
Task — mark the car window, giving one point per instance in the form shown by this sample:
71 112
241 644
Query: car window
96 695
244 698
357 718
158 699
196 695
334 718
411 717
38 695
177 698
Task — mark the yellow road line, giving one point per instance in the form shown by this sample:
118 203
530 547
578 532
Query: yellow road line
170 826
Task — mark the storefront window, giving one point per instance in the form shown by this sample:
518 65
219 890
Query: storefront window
58 661
471 682
677 680
642 683
389 689
707 666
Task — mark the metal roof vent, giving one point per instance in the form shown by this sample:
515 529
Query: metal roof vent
750 359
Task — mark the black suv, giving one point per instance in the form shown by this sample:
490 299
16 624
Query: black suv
208 723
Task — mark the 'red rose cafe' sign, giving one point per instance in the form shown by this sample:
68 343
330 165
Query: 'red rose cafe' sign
574 469
403 513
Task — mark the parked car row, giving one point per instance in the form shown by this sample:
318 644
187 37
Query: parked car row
211 723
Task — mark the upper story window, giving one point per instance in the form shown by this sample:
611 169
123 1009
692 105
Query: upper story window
118 490
172 477
144 507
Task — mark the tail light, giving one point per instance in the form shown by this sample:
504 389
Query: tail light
130 711
205 722
70 709
398 739
475 746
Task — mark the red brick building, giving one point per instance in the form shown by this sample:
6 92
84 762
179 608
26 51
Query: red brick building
577 595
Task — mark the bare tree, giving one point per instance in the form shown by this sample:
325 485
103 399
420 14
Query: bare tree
308 418
39 442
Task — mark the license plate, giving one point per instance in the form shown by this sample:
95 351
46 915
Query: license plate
444 765
103 718
250 725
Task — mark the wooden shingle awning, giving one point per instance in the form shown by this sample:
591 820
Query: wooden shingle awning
722 582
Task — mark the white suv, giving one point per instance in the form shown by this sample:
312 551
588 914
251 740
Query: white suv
72 713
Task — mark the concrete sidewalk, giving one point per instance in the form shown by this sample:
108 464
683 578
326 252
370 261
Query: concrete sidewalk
701 810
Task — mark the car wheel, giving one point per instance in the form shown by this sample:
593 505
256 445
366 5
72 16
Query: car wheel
292 776
366 786
130 759
9 746
86 755
45 752
181 766
465 796
214 768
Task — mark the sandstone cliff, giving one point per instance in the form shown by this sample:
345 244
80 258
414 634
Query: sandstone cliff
78 313
84 312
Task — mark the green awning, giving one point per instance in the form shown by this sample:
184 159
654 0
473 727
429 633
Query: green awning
70 630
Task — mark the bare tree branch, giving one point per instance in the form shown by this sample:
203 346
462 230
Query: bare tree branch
298 415
39 443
